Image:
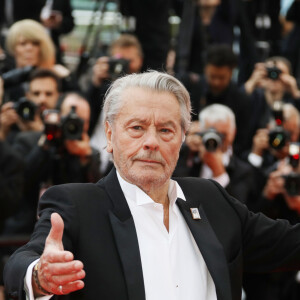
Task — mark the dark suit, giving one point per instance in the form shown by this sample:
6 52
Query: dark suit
100 231
241 175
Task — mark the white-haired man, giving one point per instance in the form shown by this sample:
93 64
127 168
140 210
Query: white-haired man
137 233
208 153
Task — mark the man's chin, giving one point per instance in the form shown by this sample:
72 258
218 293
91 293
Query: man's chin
147 176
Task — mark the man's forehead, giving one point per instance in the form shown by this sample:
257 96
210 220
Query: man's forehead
43 83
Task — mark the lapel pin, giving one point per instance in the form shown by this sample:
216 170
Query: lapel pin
195 213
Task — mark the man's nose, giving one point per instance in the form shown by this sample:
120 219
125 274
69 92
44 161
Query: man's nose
151 141
42 99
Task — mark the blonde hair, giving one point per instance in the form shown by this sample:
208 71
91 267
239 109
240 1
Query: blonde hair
33 31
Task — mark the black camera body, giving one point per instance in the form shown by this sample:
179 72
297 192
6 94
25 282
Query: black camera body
25 108
118 67
292 183
211 139
16 76
69 127
273 72
278 137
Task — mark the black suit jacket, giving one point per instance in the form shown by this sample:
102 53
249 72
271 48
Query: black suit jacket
241 174
100 231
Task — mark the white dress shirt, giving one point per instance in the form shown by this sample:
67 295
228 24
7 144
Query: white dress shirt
173 267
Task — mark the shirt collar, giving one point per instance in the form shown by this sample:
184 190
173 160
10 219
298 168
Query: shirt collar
134 194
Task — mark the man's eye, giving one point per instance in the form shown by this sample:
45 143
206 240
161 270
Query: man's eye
137 127
165 130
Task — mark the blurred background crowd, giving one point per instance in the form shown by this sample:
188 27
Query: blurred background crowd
239 59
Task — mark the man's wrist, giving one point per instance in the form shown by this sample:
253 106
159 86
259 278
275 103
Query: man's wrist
38 289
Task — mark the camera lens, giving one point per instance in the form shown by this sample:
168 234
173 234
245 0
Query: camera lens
71 128
212 140
25 109
277 138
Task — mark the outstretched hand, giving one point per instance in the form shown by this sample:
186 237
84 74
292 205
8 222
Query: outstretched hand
58 272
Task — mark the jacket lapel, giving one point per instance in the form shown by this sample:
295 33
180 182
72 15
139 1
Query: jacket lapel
126 237
210 248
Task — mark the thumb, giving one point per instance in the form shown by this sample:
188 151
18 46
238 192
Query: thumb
56 233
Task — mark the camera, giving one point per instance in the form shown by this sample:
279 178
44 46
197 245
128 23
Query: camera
211 139
16 76
57 128
25 109
278 136
292 183
118 67
273 72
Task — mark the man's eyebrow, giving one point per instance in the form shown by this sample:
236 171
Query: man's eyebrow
139 120
144 121
167 124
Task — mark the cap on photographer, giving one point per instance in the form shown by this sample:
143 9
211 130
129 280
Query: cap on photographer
211 141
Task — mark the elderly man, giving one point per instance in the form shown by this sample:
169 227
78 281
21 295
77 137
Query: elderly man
137 234
207 153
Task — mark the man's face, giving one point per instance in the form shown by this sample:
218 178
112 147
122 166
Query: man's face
218 78
43 92
146 137
226 129
131 54
27 53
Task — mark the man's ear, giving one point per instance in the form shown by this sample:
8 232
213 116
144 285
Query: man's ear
108 133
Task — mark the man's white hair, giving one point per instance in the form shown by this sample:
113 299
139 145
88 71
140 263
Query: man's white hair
153 80
216 113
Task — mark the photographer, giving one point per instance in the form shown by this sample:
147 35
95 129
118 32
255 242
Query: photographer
25 114
208 153
265 151
216 86
279 199
271 81
61 154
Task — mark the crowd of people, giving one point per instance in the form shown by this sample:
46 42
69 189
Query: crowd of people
245 130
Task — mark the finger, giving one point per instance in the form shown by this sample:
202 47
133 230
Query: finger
69 278
56 233
68 288
64 268
57 256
